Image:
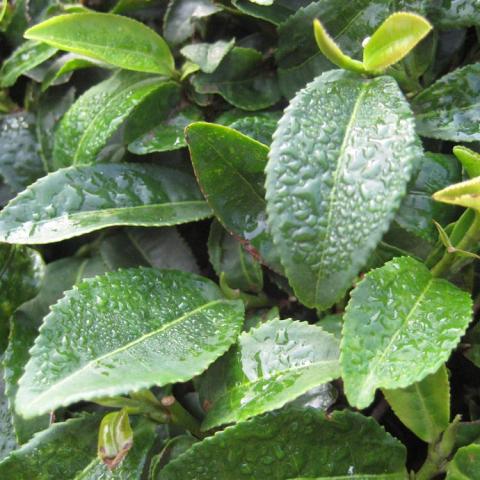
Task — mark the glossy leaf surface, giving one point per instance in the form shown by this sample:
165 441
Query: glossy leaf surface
99 112
8 440
294 443
207 56
397 313
177 324
235 191
275 13
394 39
61 451
78 200
469 159
113 39
464 194
448 109
327 224
465 464
270 366
423 407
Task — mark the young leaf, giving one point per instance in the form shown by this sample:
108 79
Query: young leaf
423 407
24 58
174 322
99 112
270 366
448 109
61 451
469 159
394 39
235 191
207 56
333 52
352 143
113 39
77 200
465 194
396 311
293 443
465 465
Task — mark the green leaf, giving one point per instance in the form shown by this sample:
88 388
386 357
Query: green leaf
465 465
398 311
101 351
260 126
207 56
352 143
448 109
469 159
20 159
292 443
275 13
333 324
450 14
182 15
61 451
394 39
268 367
473 342
114 39
241 81
8 441
423 407
149 247
99 112
21 272
464 193
235 192
333 52
57 206
24 58
227 256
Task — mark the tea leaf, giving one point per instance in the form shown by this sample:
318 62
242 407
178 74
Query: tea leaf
465 464
102 351
207 56
469 159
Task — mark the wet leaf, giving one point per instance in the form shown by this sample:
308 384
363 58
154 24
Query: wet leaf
326 226
396 311
292 443
114 39
275 13
450 14
101 351
207 56
57 206
8 441
270 366
465 464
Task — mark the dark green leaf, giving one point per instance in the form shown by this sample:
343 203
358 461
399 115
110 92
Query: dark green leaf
465 465
326 226
260 126
77 200
270 366
207 56
24 58
235 192
59 452
449 14
398 311
228 256
448 109
275 13
177 324
8 440
114 39
293 443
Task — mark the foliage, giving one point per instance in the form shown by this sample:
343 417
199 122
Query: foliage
240 239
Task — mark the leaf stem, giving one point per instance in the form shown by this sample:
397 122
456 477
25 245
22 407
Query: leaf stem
438 453
469 241
180 416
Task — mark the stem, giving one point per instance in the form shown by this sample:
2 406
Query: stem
469 240
181 416
438 453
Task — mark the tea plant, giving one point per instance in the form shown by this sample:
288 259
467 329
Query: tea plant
240 240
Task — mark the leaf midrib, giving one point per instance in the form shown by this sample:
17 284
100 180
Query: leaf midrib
39 398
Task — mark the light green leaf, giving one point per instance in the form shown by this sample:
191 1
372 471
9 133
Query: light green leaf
394 39
58 452
338 167
292 443
114 39
465 465
173 322
270 366
395 312
423 407
24 58
465 194
207 56
469 159
77 200
148 247
99 112
235 192
448 109
227 256
8 440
